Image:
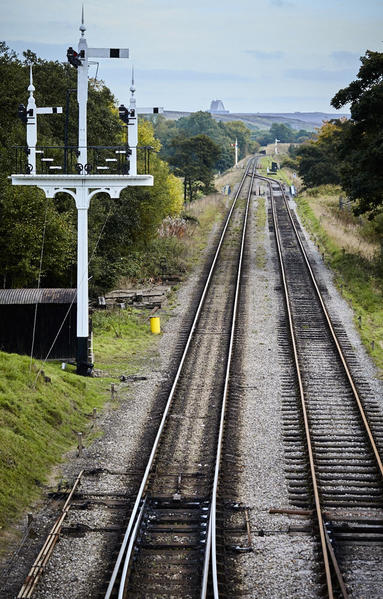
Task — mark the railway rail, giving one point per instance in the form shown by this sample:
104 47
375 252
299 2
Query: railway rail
169 547
343 427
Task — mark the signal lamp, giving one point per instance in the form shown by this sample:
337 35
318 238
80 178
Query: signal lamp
73 58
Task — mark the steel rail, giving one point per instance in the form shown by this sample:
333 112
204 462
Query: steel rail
337 344
318 508
42 559
211 549
148 469
334 336
330 552
129 551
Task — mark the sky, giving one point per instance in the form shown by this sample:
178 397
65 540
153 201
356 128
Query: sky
254 55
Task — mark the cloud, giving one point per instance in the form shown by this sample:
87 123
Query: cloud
319 74
261 55
344 57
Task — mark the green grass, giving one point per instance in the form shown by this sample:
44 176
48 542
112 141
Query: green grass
359 279
121 340
39 420
283 174
37 424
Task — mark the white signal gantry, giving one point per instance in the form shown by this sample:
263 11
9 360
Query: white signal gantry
82 186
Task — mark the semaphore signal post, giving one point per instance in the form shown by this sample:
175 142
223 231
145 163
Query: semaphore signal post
130 117
88 171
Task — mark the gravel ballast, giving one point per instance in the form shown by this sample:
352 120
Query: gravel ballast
283 563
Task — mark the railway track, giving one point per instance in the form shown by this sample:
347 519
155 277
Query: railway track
333 433
169 547
175 540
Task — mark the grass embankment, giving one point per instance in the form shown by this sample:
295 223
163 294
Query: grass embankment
284 174
121 339
39 419
351 250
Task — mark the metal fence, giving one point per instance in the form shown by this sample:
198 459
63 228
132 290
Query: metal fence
110 160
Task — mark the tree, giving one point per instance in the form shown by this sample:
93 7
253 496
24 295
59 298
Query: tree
318 159
131 221
27 221
194 159
202 123
361 151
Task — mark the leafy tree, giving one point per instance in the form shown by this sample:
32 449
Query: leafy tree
361 150
285 133
317 160
194 159
202 123
24 214
130 221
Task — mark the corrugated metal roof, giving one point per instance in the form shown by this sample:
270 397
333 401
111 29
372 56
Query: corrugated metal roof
37 296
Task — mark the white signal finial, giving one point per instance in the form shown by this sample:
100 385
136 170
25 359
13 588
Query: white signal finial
82 26
132 88
31 87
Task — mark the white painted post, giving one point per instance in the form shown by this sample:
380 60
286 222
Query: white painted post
236 152
31 125
132 130
82 96
82 204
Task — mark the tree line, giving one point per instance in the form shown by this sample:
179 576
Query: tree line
284 133
349 152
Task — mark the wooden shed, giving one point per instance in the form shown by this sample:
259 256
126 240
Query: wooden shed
55 308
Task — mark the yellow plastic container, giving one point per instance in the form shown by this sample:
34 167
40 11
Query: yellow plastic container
155 325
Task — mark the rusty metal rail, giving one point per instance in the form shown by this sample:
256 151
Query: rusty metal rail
332 570
42 559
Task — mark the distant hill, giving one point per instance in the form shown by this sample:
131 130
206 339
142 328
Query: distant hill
297 120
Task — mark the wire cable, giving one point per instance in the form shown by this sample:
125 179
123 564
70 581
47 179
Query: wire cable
39 282
74 297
